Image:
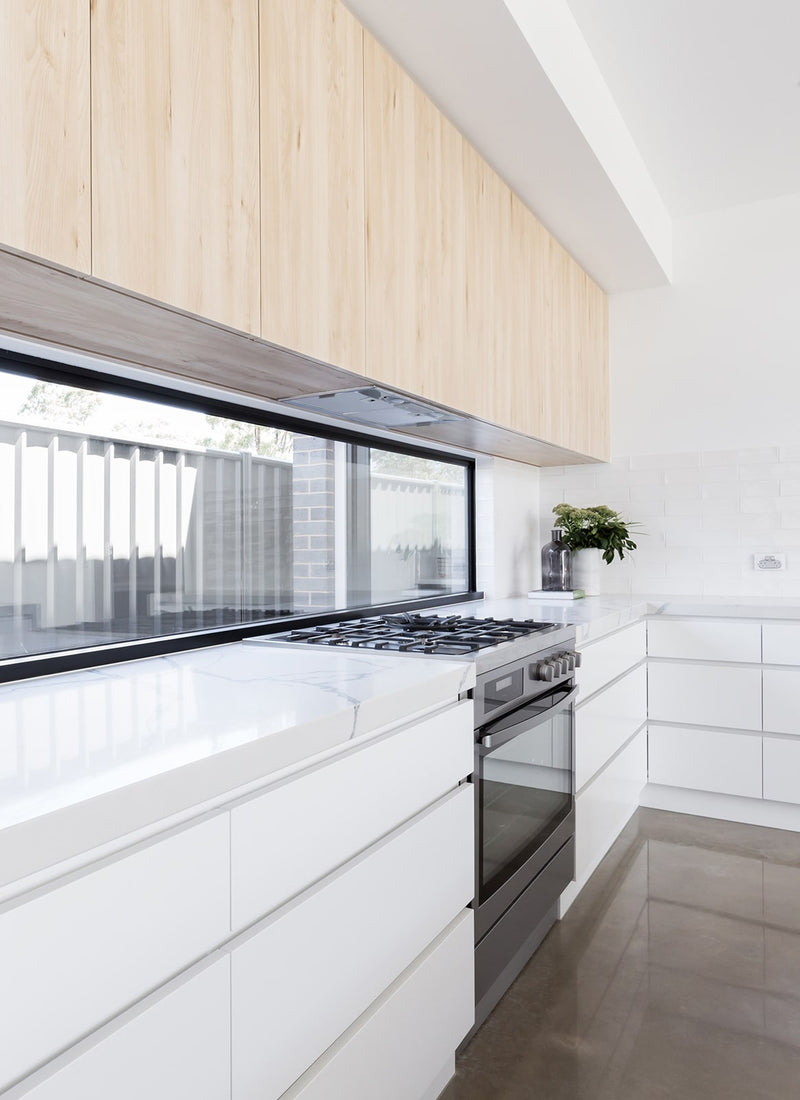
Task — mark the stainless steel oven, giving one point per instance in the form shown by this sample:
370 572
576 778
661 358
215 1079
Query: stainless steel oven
524 782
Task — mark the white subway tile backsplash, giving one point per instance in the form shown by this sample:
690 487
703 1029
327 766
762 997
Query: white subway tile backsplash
664 462
702 517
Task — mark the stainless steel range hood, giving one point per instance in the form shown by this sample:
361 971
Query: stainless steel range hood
373 405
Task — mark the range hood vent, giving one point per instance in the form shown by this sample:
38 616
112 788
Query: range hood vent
373 405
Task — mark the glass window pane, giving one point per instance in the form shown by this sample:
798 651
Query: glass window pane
124 518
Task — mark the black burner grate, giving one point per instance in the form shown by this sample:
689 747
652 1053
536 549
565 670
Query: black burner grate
452 635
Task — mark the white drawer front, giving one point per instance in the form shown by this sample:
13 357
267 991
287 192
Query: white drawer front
78 953
781 643
304 977
603 808
782 769
782 700
293 835
701 640
178 1046
606 722
705 695
427 1011
705 760
609 657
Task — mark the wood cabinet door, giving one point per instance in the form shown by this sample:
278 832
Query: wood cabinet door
416 279
175 173
45 129
312 180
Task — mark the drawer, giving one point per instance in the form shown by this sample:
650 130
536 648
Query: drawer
782 769
606 722
303 976
704 695
277 846
782 700
609 657
428 1010
176 1045
705 760
703 640
77 953
781 643
603 808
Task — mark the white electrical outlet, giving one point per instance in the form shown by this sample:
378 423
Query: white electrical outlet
767 562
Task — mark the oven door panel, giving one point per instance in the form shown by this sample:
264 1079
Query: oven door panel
524 782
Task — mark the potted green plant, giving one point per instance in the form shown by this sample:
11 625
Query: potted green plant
593 534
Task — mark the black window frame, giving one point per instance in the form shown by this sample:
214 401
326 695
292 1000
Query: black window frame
232 407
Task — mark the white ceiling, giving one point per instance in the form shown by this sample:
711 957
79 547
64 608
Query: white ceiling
709 91
705 92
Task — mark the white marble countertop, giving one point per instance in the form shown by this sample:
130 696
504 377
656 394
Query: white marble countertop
88 757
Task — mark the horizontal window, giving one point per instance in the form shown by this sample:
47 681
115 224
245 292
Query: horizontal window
128 518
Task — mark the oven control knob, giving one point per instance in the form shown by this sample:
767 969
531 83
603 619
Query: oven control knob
570 659
577 657
543 671
562 664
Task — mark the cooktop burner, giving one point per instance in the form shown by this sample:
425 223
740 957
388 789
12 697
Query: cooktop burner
450 635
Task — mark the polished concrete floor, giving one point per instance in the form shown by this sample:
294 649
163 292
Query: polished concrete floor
675 974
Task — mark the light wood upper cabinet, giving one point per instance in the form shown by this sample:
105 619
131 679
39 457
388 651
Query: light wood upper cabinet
45 129
416 274
175 172
312 180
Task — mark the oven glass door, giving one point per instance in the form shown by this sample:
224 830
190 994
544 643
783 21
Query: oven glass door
526 784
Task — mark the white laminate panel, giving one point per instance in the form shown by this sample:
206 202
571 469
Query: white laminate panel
360 797
300 980
606 722
704 695
609 657
705 760
176 1047
782 769
781 643
782 700
603 808
703 640
427 1011
76 954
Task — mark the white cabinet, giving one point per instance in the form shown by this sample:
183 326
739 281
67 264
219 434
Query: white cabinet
606 721
782 700
606 805
291 835
781 643
177 1045
782 769
305 974
704 695
395 1050
703 640
607 658
705 760
75 954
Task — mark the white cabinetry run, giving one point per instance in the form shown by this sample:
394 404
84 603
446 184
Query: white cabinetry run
307 937
724 718
610 745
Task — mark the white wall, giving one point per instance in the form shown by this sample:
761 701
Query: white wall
705 395
712 362
507 518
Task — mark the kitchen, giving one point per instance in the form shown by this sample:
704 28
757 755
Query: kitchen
707 467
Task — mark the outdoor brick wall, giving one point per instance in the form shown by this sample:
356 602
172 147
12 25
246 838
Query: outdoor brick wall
312 523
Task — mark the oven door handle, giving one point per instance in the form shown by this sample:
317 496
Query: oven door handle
492 741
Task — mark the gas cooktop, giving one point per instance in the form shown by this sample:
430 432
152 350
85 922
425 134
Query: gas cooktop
441 635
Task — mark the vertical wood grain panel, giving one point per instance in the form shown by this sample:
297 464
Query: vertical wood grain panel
416 278
45 129
312 180
175 206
